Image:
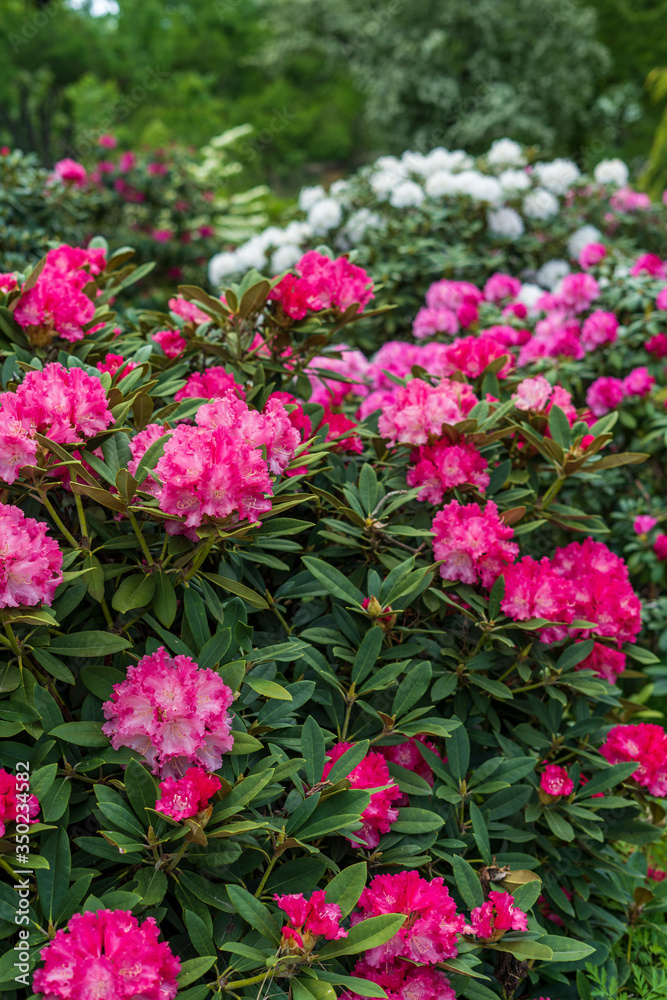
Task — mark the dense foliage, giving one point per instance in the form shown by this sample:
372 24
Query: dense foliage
327 664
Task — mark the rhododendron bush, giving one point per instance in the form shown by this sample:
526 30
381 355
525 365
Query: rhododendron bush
322 667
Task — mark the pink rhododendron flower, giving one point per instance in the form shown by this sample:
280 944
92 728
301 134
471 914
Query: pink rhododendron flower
577 291
107 141
645 743
517 309
372 772
65 404
322 283
30 561
13 802
188 311
497 915
216 469
171 342
661 300
452 294
472 355
644 523
555 781
309 919
339 426
599 328
443 466
638 382
127 161
70 172
57 304
173 712
591 255
657 345
555 336
500 287
162 236
420 410
660 547
534 590
627 200
605 394
139 445
467 314
109 955
431 926
403 981
532 393
212 383
431 321
649 263
473 543
18 446
607 663
116 364
507 336
184 797
656 874
8 282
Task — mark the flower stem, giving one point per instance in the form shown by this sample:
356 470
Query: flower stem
49 506
142 540
83 527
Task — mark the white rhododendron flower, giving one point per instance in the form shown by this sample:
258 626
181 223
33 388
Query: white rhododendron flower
612 172
505 222
308 196
408 194
220 266
285 257
325 215
441 184
540 204
580 238
552 272
506 153
557 176
514 180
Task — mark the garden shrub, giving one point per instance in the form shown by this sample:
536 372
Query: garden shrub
330 667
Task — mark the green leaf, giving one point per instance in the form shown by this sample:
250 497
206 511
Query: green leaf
467 882
458 753
523 950
368 488
607 778
53 882
348 761
135 591
93 643
199 934
312 744
365 935
566 949
480 833
239 589
213 651
141 790
82 734
254 913
559 426
367 654
413 686
364 987
526 895
333 581
268 689
558 825
164 599
412 820
151 885
193 969
346 887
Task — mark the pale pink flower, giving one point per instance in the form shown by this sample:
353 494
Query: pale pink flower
532 393
420 411
173 712
472 544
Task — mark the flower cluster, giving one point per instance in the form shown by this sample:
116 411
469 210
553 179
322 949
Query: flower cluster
56 304
211 383
408 755
473 544
495 916
645 743
431 927
418 411
443 466
30 561
173 712
184 797
64 404
403 981
309 919
584 581
107 954
322 283
216 469
10 799
372 772
555 781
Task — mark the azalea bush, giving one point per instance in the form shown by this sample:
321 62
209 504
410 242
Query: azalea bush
324 672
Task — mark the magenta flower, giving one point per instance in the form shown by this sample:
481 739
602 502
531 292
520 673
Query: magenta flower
645 743
30 561
555 781
184 797
497 915
403 981
472 543
12 802
108 955
372 772
309 919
